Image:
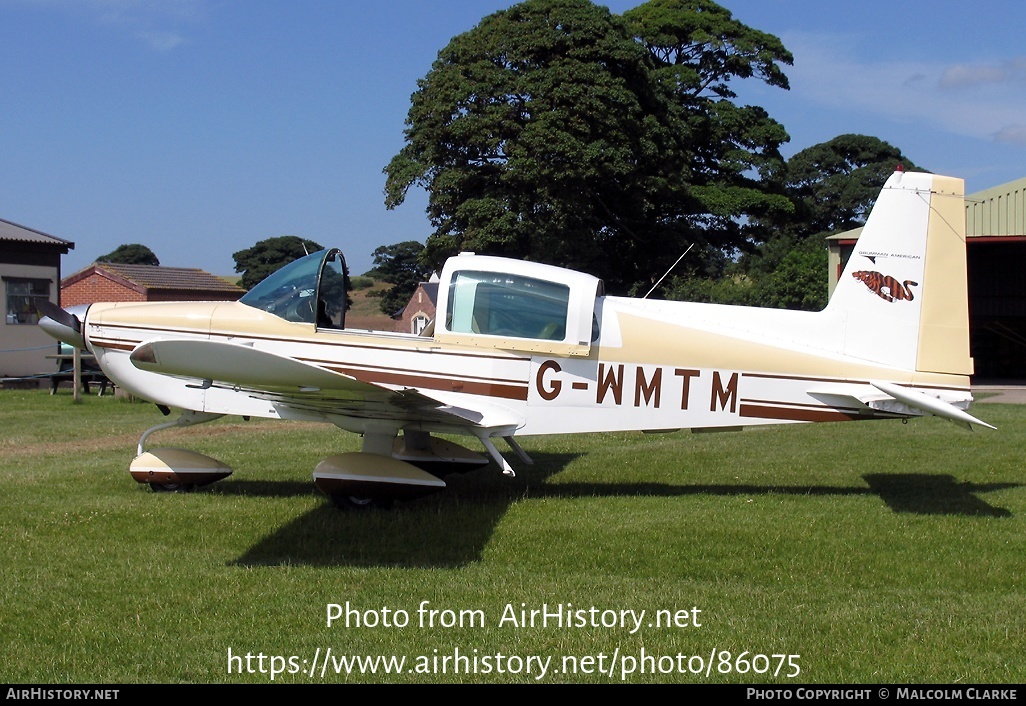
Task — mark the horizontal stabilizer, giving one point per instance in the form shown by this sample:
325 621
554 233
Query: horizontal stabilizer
888 397
930 405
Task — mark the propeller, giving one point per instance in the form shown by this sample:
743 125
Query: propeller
62 324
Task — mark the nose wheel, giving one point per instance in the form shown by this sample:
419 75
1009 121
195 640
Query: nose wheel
172 487
176 470
361 504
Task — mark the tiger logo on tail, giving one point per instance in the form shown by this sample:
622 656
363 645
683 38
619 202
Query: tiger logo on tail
886 287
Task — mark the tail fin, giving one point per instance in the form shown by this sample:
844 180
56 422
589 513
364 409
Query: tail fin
903 295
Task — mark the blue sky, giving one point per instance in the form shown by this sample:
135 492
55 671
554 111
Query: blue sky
199 127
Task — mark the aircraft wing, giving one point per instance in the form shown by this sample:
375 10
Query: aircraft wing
241 365
294 383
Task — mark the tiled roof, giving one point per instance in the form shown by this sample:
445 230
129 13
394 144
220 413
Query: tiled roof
152 277
431 290
13 231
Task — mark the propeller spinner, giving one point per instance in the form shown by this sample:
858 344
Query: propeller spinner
63 324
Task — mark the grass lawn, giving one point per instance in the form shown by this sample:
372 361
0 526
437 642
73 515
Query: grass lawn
878 552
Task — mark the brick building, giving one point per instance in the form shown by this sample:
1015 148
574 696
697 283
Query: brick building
420 311
112 282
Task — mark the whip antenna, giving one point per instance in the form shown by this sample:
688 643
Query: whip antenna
669 270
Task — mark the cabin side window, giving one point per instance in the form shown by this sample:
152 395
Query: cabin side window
498 304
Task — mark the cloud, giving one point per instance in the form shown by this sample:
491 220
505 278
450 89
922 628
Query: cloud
158 23
161 41
915 79
963 76
161 24
1011 135
971 75
964 99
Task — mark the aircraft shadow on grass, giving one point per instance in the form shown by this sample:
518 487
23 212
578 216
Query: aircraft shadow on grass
935 494
452 529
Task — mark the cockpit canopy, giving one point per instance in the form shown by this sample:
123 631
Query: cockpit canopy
482 301
309 290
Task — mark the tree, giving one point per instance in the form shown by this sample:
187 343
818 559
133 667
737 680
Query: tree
399 264
131 254
835 183
559 132
270 255
833 186
728 154
799 281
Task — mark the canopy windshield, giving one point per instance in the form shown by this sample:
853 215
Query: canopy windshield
309 290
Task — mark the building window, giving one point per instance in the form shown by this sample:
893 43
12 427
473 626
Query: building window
420 322
22 295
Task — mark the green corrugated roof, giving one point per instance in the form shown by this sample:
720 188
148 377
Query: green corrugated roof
1000 210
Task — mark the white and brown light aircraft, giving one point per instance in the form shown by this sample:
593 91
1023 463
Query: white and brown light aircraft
520 348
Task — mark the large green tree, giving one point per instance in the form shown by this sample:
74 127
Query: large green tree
130 254
560 132
269 256
834 184
727 154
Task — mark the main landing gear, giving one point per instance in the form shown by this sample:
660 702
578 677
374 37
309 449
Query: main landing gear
411 469
389 467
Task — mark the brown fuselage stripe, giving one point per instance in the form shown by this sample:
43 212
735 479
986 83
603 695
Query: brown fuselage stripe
514 391
470 387
797 415
803 405
480 386
101 343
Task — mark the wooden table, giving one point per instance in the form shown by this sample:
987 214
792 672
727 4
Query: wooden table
77 356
